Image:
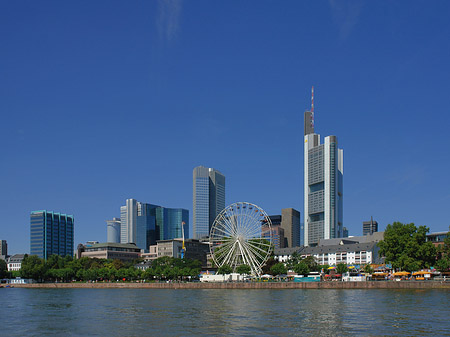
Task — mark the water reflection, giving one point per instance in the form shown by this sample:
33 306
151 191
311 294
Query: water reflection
321 312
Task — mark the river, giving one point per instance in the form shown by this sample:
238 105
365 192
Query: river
239 312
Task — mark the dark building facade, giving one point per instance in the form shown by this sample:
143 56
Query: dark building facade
51 233
370 227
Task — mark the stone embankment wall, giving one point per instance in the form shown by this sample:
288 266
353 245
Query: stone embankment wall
252 285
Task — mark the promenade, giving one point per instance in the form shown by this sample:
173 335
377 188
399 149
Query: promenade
250 285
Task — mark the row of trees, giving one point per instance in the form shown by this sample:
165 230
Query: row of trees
405 246
66 269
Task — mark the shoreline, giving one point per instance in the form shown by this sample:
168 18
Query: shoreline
249 285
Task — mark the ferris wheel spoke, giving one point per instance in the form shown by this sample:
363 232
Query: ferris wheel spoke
256 248
221 230
256 259
221 223
251 260
227 224
230 253
253 232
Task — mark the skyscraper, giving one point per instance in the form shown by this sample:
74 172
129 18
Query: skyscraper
113 230
209 199
51 234
290 222
3 249
144 224
370 227
138 224
323 184
168 222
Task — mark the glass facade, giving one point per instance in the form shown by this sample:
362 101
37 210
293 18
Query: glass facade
208 197
51 234
168 222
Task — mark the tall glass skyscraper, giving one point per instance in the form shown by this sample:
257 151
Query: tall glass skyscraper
144 224
209 199
169 220
323 185
51 234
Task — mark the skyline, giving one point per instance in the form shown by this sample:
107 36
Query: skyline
107 101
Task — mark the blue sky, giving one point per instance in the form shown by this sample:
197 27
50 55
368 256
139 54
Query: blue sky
107 100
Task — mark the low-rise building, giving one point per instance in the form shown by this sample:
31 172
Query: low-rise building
109 250
437 238
14 262
352 250
195 249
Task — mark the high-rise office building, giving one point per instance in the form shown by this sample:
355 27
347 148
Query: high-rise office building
113 230
323 185
290 222
370 227
3 249
169 222
138 224
144 224
51 234
209 199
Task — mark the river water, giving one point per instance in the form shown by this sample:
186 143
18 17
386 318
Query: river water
265 312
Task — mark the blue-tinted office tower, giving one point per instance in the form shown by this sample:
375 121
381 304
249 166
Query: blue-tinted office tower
51 234
208 197
144 224
137 224
168 222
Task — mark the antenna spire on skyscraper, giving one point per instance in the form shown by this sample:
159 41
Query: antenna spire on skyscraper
312 107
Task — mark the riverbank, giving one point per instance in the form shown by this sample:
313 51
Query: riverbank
251 285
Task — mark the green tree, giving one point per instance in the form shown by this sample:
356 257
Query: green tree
244 269
270 262
224 270
311 263
443 260
3 269
341 268
278 269
32 267
406 248
368 269
301 268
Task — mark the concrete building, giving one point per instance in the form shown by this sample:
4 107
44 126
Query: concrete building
108 250
3 249
195 249
323 185
357 250
290 222
51 233
14 262
208 199
370 227
113 230
437 238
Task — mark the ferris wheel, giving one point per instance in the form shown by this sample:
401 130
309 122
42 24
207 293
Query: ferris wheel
241 234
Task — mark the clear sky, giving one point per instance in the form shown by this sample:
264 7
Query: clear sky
101 101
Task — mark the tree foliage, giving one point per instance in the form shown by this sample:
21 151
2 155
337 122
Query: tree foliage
225 269
341 268
66 269
443 254
3 269
278 269
244 269
406 248
302 268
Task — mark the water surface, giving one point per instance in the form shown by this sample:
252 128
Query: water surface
243 312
